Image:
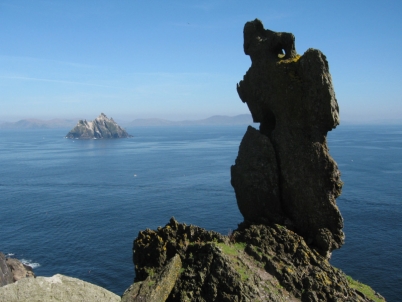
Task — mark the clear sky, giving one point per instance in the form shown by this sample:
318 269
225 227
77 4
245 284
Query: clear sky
182 59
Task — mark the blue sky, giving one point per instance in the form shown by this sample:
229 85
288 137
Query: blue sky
182 59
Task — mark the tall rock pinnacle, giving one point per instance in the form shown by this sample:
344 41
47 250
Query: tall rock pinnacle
283 173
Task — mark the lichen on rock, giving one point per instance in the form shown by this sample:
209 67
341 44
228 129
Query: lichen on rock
255 263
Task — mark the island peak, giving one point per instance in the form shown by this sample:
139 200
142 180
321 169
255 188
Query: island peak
100 128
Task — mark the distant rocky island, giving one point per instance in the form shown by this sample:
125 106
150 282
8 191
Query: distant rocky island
100 128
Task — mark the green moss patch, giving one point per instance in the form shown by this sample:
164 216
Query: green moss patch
232 249
365 289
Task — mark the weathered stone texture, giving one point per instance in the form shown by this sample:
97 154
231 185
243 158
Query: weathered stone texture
255 263
293 100
155 288
256 177
54 289
19 270
207 274
12 270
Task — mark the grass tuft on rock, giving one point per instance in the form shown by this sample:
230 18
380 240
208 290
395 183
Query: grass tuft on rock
365 289
232 249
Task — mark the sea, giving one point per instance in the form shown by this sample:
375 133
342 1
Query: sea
74 207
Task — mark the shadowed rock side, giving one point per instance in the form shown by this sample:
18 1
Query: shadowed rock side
284 173
255 263
100 128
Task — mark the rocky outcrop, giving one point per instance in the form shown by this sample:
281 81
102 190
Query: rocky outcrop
155 288
19 270
100 128
255 263
6 276
55 288
284 173
208 274
12 270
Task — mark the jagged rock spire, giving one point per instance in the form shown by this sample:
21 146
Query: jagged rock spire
284 173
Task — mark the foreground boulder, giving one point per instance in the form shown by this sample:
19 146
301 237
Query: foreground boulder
255 263
100 128
55 288
284 173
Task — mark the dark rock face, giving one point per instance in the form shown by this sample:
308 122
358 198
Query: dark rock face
255 263
256 178
208 273
284 173
100 128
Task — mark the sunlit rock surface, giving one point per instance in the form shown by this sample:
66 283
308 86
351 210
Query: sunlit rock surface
55 288
100 128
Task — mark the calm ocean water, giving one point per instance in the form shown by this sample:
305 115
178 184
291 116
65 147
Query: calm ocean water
75 207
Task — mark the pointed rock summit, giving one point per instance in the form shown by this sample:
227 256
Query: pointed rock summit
100 128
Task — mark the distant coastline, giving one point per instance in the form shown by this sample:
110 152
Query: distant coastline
215 120
242 119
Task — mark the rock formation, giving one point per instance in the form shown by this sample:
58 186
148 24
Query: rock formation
12 270
284 173
255 263
156 287
101 127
